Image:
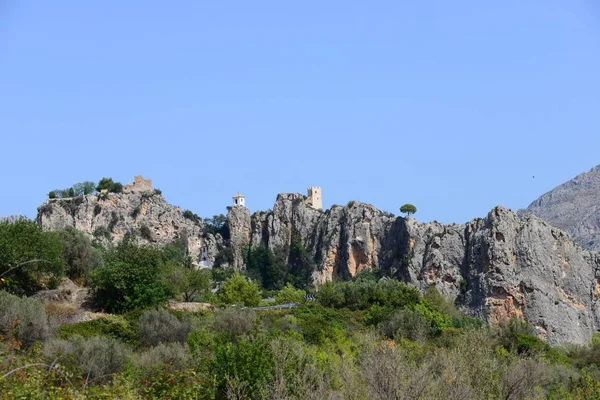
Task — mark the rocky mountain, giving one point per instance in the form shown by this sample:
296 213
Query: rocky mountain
495 267
139 212
574 207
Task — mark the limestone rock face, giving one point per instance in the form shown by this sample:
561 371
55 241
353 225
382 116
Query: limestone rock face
494 267
238 220
574 207
144 215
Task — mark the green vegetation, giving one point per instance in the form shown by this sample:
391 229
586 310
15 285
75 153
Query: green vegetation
408 209
132 277
30 259
273 271
239 290
365 338
79 254
78 189
108 184
217 224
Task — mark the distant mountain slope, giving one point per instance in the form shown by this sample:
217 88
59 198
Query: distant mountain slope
574 207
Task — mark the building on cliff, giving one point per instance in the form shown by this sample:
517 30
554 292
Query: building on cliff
315 200
239 200
139 185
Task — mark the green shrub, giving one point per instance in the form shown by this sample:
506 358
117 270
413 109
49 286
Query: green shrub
164 356
234 321
111 325
132 277
29 257
93 358
97 209
79 254
24 319
247 364
108 184
160 326
289 294
146 233
239 290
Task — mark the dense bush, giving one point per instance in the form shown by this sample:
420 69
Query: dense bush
164 356
160 326
289 294
79 254
234 321
108 184
189 283
239 290
29 258
110 325
217 225
93 358
362 294
191 216
243 370
23 319
131 277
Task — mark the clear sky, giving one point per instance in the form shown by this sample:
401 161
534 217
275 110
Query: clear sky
453 106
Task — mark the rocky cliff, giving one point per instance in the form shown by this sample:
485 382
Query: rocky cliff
494 267
574 207
143 215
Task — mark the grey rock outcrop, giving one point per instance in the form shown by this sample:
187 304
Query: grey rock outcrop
143 215
495 267
574 207
238 221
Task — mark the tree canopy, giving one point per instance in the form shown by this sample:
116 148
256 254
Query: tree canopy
408 209
29 257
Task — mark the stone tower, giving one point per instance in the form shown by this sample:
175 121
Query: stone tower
239 200
314 197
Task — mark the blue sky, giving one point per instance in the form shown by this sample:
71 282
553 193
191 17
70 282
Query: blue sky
451 106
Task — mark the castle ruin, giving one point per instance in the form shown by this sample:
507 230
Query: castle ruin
314 197
139 185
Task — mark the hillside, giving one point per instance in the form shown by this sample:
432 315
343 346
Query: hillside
574 207
495 267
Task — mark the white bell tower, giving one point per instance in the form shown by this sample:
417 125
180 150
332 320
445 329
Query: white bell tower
239 200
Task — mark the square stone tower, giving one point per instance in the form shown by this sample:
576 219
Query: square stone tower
314 197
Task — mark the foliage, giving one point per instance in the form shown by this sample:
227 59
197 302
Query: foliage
109 185
516 335
159 326
217 225
224 257
29 257
164 356
408 209
79 254
191 216
92 358
289 294
362 294
300 263
114 326
234 321
132 277
263 266
23 319
239 290
192 284
247 364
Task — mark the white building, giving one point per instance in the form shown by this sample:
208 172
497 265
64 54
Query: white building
239 200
